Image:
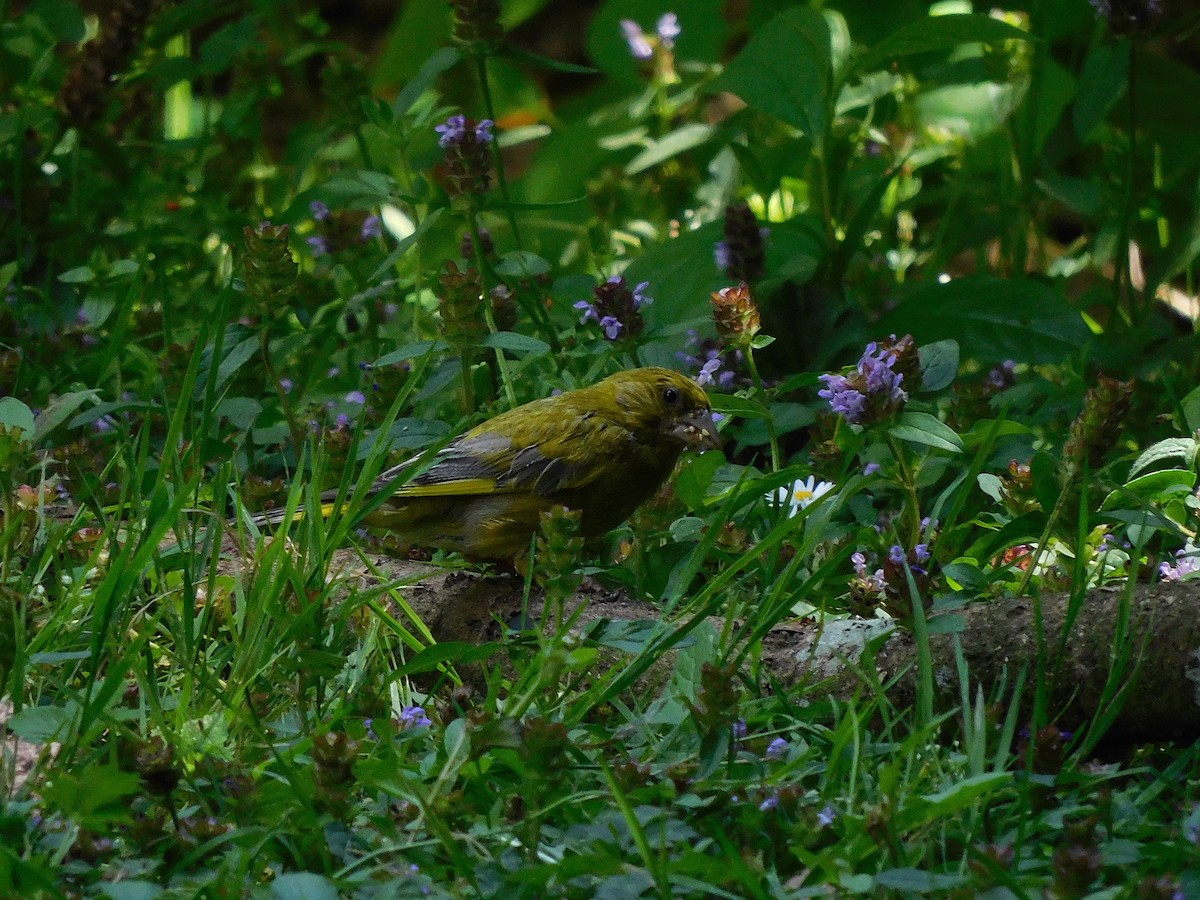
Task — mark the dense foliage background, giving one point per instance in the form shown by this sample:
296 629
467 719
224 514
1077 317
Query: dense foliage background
251 251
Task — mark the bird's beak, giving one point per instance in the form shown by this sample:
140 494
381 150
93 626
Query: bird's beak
696 430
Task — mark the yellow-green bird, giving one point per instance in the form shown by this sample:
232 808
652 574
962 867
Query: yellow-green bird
602 449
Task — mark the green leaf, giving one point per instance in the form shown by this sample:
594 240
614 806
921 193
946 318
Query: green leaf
670 145
544 62
1156 486
94 797
939 364
786 71
242 412
917 881
991 485
446 653
995 318
967 574
695 478
938 33
303 886
15 414
408 434
426 76
412 351
79 275
682 274
922 428
1181 449
40 724
737 406
522 264
1191 409
131 890
1101 84
516 343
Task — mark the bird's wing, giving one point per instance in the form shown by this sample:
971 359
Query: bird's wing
553 455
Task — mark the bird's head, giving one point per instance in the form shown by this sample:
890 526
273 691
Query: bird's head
660 403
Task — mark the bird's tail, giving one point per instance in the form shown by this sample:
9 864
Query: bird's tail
273 517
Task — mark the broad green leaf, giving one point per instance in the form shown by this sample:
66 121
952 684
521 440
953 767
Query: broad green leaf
922 428
411 351
426 77
695 478
1191 409
1154 486
522 264
303 886
786 71
993 318
447 653
40 724
670 145
938 33
516 343
131 889
939 364
79 275
1180 449
1101 84
15 414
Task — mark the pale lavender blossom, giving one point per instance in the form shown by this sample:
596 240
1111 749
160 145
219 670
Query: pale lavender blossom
414 717
639 45
668 29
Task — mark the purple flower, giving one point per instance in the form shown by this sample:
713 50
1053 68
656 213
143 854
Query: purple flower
356 397
1188 564
414 717
921 553
721 255
860 563
705 377
319 210
640 297
896 555
589 312
483 131
770 803
612 327
870 468
320 247
739 729
843 399
452 131
777 749
639 46
668 29
826 816
286 385
372 227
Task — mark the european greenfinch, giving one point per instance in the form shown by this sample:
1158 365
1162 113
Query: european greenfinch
602 450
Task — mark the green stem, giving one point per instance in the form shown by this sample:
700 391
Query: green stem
468 389
908 480
1121 263
264 347
501 362
772 437
501 180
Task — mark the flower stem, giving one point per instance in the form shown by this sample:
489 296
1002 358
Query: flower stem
772 437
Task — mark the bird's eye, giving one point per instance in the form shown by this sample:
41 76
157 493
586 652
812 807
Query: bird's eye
670 396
